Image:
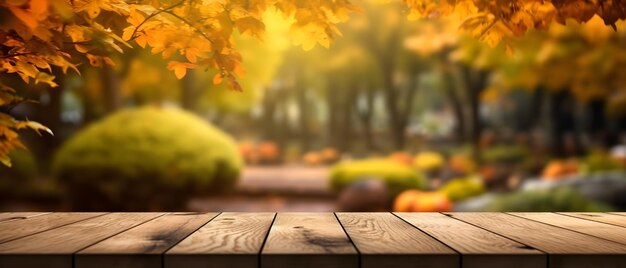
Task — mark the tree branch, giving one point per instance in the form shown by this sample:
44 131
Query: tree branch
133 36
15 55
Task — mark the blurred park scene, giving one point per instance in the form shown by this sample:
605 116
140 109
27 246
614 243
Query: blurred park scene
313 105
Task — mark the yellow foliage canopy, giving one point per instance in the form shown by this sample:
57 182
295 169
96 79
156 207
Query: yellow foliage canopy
37 35
494 21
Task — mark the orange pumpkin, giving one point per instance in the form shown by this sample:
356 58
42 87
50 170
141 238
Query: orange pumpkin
247 151
416 201
268 152
560 169
312 158
488 173
462 164
330 155
401 157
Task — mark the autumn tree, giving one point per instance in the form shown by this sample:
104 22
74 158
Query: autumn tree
493 21
39 35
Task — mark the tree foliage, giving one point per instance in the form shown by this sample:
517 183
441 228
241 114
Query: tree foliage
494 21
37 35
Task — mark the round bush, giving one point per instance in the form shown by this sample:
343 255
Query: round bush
463 188
397 177
510 154
557 199
147 158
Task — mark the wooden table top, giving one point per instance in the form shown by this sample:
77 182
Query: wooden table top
327 240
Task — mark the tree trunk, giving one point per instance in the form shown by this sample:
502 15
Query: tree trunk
269 115
365 115
475 82
562 114
303 106
111 89
391 102
457 109
189 91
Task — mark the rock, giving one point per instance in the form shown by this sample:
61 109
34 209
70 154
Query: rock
367 194
479 203
608 187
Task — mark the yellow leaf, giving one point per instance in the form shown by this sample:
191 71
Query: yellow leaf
251 26
37 127
180 71
46 78
180 68
95 61
217 79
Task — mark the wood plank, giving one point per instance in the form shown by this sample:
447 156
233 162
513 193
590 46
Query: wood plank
384 240
565 248
12 216
480 248
142 245
594 228
54 248
308 240
599 217
230 240
11 230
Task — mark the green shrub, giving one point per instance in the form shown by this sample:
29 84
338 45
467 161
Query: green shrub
463 188
396 176
558 199
146 158
505 154
599 162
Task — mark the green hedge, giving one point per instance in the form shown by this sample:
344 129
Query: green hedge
558 199
147 158
505 154
396 176
598 162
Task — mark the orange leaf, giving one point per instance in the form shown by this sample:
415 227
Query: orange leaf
217 79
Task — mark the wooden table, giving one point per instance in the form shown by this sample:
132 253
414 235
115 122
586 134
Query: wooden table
330 240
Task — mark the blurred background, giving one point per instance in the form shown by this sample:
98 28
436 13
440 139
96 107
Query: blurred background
396 115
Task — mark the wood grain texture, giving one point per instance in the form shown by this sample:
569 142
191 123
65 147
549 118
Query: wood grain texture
594 228
230 240
308 240
384 240
565 248
618 220
11 230
54 248
12 216
142 246
480 248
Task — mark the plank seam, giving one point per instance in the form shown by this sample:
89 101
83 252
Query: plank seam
52 227
509 238
265 240
616 213
85 247
574 216
457 252
173 245
358 252
564 228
